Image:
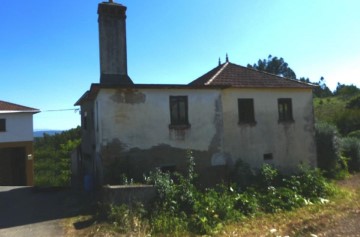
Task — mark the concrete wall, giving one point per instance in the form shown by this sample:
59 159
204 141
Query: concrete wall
19 127
289 143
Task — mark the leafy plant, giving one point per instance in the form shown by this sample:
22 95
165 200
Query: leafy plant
127 218
268 176
350 148
328 148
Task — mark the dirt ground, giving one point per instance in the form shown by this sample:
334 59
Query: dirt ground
349 222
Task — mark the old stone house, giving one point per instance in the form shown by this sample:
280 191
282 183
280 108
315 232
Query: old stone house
227 114
16 144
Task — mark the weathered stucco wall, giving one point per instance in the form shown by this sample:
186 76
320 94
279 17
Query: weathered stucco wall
128 131
289 143
141 118
133 129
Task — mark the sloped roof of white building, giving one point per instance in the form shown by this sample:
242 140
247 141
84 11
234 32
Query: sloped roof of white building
7 107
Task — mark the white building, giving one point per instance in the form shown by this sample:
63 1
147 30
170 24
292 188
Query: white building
230 113
16 144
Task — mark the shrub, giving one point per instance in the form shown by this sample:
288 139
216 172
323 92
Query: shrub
327 145
354 103
309 183
126 218
268 176
242 174
281 198
181 207
355 134
350 148
247 202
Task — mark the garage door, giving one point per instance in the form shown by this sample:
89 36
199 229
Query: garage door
12 166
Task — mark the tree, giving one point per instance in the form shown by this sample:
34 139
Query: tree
346 90
275 66
322 90
52 152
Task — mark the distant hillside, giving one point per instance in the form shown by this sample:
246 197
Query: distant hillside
40 133
342 111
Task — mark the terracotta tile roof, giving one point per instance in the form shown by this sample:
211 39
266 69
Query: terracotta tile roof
7 106
238 76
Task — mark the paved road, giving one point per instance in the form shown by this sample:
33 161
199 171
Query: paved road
26 211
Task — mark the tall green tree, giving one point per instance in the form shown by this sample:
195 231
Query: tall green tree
274 65
52 157
322 90
346 90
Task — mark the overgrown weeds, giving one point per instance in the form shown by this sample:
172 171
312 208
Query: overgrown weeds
180 207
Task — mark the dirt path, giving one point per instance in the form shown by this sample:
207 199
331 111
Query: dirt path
349 222
26 211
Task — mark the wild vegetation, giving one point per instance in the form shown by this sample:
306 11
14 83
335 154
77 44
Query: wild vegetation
180 208
52 152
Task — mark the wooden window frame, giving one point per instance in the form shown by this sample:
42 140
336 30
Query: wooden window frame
285 110
177 119
246 111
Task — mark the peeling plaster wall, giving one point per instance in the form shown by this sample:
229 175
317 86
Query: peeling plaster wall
140 119
289 143
130 132
133 126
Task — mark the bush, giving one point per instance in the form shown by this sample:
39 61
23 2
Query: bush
353 103
350 148
355 134
327 145
309 183
281 198
242 175
247 202
268 176
180 207
125 218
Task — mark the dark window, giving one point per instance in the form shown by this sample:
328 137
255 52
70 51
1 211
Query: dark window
84 121
246 111
268 156
179 110
285 110
2 125
168 168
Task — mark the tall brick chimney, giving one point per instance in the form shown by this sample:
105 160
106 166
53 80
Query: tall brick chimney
112 39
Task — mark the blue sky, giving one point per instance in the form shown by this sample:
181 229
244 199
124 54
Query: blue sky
49 49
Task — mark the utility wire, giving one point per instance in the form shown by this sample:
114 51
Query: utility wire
59 110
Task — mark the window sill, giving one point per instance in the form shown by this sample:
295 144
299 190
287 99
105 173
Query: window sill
251 124
179 126
286 121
